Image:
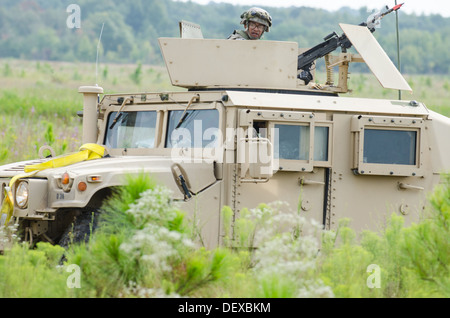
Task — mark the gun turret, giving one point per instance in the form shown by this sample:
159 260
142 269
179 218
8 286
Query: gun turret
332 42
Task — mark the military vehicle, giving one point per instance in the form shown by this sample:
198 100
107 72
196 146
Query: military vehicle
245 129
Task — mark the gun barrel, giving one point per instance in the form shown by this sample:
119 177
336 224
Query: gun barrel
398 6
395 8
381 14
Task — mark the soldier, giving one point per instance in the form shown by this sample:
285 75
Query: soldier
256 21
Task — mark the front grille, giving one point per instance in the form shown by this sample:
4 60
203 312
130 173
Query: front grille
21 167
2 195
3 183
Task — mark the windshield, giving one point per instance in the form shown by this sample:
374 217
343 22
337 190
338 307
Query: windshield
198 129
132 130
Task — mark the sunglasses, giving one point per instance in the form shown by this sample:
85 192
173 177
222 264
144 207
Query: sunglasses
254 25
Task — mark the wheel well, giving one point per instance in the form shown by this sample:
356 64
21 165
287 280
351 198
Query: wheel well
98 198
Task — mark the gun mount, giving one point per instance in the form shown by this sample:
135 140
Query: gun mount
196 63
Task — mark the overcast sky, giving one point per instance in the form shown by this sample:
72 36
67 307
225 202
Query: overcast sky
411 6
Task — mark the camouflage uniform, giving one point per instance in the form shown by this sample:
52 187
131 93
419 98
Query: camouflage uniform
239 35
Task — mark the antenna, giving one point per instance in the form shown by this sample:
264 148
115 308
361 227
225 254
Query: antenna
398 49
98 49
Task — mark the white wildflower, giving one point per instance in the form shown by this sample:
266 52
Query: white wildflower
153 243
287 247
155 205
8 235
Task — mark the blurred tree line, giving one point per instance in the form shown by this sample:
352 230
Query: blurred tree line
37 29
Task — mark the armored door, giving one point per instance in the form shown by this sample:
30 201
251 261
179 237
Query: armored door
300 154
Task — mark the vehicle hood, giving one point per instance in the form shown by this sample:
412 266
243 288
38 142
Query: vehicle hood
165 170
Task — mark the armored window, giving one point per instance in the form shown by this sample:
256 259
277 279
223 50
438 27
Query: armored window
193 129
396 147
387 145
292 142
299 141
321 146
131 130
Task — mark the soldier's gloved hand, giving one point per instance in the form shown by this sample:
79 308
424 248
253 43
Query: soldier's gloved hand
315 85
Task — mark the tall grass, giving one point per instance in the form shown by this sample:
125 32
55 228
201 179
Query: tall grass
22 137
39 102
153 253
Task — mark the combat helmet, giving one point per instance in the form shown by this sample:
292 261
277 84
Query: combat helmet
258 15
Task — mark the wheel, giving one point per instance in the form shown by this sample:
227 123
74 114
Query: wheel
80 230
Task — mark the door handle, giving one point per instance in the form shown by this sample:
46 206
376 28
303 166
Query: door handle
303 181
405 186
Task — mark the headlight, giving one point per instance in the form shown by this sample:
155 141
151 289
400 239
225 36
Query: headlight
22 194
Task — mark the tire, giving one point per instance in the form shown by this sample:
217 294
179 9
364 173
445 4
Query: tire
80 230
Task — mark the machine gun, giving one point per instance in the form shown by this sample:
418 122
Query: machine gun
332 42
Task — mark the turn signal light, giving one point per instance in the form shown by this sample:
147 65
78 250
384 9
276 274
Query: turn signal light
82 186
65 179
94 179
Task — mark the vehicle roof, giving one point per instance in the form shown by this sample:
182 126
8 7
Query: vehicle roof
326 103
286 100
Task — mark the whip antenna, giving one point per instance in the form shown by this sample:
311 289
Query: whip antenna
98 49
398 49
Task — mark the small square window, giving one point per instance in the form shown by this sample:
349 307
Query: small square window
396 147
293 142
387 145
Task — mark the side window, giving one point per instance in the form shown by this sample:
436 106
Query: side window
389 146
299 141
294 142
396 147
321 137
131 130
193 129
291 142
260 129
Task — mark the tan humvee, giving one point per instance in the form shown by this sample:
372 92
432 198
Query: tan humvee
247 131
